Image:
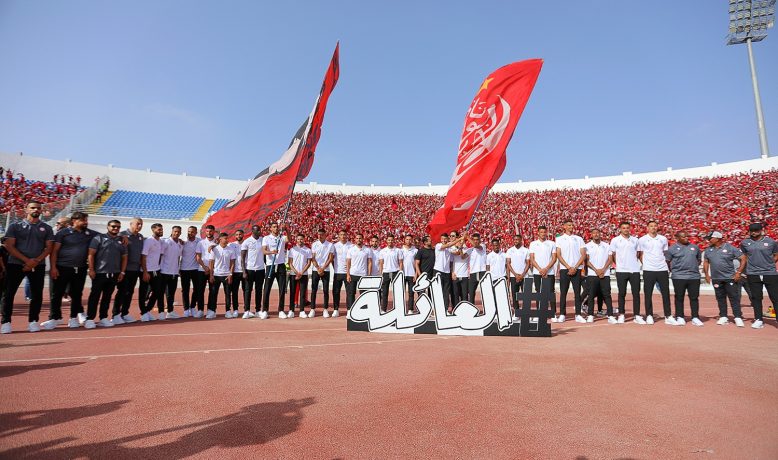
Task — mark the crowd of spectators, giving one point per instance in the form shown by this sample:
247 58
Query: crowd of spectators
16 190
726 203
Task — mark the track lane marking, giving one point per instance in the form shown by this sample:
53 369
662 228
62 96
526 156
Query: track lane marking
180 334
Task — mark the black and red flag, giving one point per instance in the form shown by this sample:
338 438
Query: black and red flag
273 187
489 126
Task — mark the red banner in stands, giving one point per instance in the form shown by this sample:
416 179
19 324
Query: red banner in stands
489 126
272 187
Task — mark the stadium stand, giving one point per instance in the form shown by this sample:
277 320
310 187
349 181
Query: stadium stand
127 203
16 190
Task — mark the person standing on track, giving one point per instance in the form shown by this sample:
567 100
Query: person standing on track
203 259
685 259
126 288
389 264
237 277
571 255
761 254
599 260
408 254
274 249
626 249
222 266
375 248
341 248
359 263
152 287
107 262
323 254
542 258
169 269
652 247
189 271
460 271
253 263
719 268
299 263
68 268
496 261
443 265
424 261
516 261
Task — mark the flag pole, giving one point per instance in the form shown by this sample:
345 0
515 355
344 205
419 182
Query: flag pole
477 205
280 236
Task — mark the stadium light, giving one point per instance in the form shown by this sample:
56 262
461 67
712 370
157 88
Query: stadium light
748 22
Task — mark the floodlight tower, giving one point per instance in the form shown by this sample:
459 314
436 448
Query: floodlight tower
748 22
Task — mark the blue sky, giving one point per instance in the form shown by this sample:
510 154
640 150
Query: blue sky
219 88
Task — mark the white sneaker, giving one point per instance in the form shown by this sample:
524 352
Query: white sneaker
198 314
335 314
73 323
281 315
311 313
105 322
561 319
81 318
162 316
621 319
639 320
228 314
739 322
679 321
555 319
612 320
291 314
128 319
758 324
722 321
117 320
210 315
6 328
579 319
515 319
246 315
590 319
89 324
34 327
146 317
188 313
303 315
325 313
173 315
263 315
50 324
649 319
697 322
670 320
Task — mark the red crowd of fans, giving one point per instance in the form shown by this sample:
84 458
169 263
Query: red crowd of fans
727 204
16 191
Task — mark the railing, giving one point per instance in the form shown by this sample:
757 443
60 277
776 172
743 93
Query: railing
78 202
134 212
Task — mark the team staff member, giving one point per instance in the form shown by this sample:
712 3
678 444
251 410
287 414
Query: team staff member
152 287
107 261
189 271
408 254
652 247
323 254
68 267
424 261
359 263
253 263
685 260
389 264
203 258
599 260
221 266
719 268
542 258
169 268
516 261
299 262
28 243
570 254
126 288
341 248
625 248
237 277
762 254
274 249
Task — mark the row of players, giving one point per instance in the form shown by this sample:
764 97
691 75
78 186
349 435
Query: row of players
119 259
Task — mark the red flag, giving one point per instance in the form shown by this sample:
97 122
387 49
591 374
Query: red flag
273 187
489 126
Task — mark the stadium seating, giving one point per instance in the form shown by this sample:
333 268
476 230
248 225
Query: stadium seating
218 204
151 205
16 191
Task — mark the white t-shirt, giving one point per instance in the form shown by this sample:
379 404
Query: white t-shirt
152 249
626 250
202 249
271 242
477 259
235 246
442 259
171 256
544 251
254 259
360 257
653 252
409 257
461 264
518 258
321 251
391 258
496 263
300 256
598 255
221 260
571 246
341 254
375 259
188 261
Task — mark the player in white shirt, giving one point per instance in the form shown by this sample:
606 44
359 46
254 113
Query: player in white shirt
496 260
460 270
341 248
542 259
299 262
375 247
408 254
599 261
359 263
390 262
476 258
151 290
627 258
222 266
188 271
570 255
443 265
652 248
203 258
274 249
253 264
323 256
169 269
238 282
516 260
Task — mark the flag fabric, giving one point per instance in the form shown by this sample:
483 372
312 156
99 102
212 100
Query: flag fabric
489 125
273 187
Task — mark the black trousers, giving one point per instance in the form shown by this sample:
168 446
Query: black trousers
727 289
386 283
13 278
201 281
337 283
565 279
325 286
124 292
682 287
103 286
410 294
277 273
600 287
152 293
298 289
213 294
169 286
351 290
586 299
445 281
461 287
238 282
756 283
255 281
546 283
472 285
188 278
633 279
650 278
75 277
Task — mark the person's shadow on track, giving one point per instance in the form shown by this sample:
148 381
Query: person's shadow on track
253 425
14 423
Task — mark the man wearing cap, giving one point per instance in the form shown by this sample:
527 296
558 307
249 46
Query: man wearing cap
761 254
719 268
684 258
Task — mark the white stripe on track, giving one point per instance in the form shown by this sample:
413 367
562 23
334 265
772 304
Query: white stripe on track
180 334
